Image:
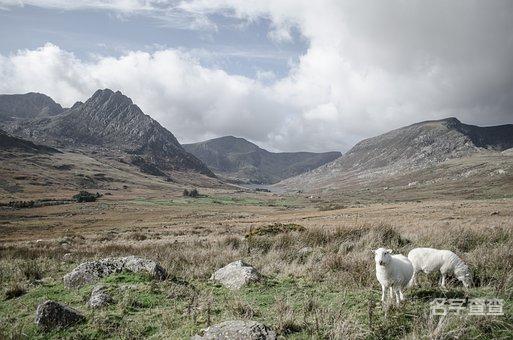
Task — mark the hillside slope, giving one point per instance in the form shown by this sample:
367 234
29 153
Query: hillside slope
9 143
401 152
240 160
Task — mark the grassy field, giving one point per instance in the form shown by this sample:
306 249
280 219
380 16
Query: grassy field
319 279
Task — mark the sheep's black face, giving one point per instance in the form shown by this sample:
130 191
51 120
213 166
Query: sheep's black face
382 256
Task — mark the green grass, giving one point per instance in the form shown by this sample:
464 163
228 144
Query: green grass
328 292
296 307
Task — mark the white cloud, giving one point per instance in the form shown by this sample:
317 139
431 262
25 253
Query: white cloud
370 66
380 65
192 101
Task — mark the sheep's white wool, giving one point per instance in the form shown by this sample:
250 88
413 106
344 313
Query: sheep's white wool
429 260
393 272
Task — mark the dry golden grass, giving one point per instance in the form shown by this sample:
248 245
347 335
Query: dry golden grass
319 281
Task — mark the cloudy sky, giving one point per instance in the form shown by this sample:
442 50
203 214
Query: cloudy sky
287 74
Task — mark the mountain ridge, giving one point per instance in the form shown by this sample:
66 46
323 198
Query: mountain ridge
27 106
238 159
406 149
110 119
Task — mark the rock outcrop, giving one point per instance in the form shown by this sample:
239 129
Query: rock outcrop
11 143
52 315
92 271
99 297
236 275
237 330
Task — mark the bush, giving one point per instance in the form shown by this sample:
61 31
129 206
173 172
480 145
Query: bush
21 204
275 229
86 196
193 193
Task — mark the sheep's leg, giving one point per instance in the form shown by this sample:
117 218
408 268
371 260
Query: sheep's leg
413 279
397 296
443 280
401 296
391 293
383 293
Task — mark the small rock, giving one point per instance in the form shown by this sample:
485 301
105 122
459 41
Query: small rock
236 275
137 264
67 257
237 330
494 213
92 271
99 297
51 315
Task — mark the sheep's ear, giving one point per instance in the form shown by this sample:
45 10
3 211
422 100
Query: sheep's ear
390 251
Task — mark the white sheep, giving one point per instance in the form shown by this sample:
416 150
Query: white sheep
429 260
393 272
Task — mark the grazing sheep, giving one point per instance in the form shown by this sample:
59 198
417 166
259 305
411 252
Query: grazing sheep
429 260
393 272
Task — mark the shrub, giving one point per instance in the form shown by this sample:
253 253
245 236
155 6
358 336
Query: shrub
192 193
21 204
86 196
274 229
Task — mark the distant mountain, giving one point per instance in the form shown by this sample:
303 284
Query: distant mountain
27 106
404 150
10 143
240 160
110 120
425 143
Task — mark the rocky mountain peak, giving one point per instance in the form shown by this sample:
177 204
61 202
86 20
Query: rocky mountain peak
107 105
110 119
451 122
27 106
108 99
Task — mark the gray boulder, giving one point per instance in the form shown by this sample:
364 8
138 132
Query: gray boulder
237 330
92 271
236 275
51 315
99 297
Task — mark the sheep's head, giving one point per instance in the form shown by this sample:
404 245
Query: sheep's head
382 256
465 276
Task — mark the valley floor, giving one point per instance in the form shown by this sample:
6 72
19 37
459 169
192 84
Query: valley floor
319 282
